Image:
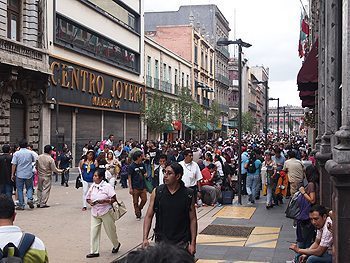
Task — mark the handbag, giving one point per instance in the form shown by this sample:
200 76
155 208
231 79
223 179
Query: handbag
119 209
293 208
78 182
148 184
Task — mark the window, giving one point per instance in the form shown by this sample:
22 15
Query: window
13 19
156 69
148 66
80 39
195 54
175 77
169 74
164 72
202 59
206 62
211 66
187 81
183 79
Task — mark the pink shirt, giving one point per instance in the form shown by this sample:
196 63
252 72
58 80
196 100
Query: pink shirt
100 191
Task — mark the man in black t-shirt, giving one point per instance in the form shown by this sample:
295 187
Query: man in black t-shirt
6 185
173 204
136 180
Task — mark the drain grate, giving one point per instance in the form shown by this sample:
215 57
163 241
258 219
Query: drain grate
225 230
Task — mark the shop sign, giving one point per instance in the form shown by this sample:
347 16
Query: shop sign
80 86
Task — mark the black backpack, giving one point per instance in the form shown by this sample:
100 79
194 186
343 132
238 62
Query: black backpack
18 252
251 166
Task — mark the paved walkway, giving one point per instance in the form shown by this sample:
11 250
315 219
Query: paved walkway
65 230
269 240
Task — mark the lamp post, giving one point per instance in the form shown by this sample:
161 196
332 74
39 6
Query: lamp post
240 43
265 83
278 116
284 120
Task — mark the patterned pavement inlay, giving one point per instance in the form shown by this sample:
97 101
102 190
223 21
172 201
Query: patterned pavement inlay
211 240
236 212
264 237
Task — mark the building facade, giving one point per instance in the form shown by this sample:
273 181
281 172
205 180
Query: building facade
96 59
291 118
211 23
24 70
166 73
189 44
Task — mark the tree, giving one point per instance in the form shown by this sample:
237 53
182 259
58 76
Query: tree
198 117
157 113
214 114
183 105
248 122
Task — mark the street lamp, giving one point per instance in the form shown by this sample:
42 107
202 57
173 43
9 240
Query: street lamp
278 116
240 43
207 89
265 83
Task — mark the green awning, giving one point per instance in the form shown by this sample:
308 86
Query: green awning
169 128
190 126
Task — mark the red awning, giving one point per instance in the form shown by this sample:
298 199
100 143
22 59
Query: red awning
307 79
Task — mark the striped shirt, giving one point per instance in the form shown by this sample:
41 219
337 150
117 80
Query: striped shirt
37 252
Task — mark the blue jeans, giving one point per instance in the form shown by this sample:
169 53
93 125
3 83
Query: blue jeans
325 258
20 182
252 185
6 189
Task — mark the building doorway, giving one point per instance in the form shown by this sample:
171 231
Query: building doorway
17 118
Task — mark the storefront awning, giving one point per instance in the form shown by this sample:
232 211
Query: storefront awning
307 79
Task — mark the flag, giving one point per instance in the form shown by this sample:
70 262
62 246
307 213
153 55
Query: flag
304 34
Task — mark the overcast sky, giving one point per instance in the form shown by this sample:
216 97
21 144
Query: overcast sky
271 26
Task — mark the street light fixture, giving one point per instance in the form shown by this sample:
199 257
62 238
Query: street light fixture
278 116
265 83
240 43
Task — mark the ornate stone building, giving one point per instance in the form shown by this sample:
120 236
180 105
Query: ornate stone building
23 70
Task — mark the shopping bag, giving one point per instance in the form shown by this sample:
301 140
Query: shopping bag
119 209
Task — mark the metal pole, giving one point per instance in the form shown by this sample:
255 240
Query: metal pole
278 118
57 107
266 110
289 128
240 125
284 120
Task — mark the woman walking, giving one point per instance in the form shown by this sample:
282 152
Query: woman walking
112 167
88 167
101 196
268 174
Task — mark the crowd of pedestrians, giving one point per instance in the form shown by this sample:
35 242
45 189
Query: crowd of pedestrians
172 172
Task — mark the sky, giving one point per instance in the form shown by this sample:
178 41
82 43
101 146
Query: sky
271 26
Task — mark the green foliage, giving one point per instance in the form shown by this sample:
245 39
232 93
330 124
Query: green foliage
157 113
183 105
248 122
214 114
198 117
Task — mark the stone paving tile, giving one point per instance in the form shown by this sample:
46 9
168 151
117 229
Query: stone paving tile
212 240
263 237
236 212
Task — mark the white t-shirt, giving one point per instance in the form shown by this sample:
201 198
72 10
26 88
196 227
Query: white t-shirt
192 173
161 176
219 167
325 235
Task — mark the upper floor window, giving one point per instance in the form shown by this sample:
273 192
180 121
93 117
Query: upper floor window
196 54
156 69
13 19
148 66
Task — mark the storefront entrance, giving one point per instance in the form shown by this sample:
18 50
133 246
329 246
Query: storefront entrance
17 118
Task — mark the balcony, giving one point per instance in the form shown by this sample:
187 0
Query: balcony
223 50
177 89
222 79
156 83
205 102
166 86
252 106
224 108
148 81
22 55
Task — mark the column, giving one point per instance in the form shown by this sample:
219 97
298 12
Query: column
339 166
74 135
331 83
45 131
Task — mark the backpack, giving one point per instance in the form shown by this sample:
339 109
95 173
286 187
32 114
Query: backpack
251 166
19 252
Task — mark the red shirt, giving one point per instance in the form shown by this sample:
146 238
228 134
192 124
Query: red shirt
206 177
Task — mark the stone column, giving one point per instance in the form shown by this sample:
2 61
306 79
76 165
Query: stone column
332 82
339 166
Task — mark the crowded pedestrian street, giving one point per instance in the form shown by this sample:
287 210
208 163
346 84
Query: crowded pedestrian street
152 131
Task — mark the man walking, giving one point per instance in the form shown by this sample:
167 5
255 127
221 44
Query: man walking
173 204
22 173
253 166
191 173
136 180
295 170
6 185
13 234
46 166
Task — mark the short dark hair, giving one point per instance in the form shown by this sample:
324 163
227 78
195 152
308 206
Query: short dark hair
23 143
6 148
110 136
291 154
177 168
136 155
320 209
161 252
211 166
100 173
47 149
187 152
163 156
7 207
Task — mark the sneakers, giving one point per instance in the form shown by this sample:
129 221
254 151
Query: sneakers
30 204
